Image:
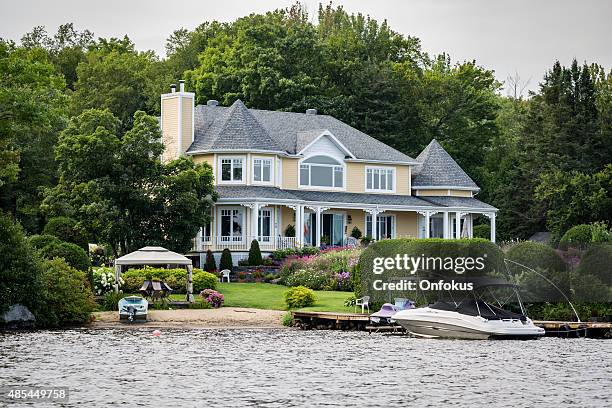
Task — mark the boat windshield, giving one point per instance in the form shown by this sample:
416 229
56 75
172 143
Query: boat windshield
478 308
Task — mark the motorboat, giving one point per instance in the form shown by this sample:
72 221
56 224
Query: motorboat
470 318
132 308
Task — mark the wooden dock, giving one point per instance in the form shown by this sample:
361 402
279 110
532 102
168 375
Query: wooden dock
361 322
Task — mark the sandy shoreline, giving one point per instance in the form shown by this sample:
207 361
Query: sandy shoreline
226 317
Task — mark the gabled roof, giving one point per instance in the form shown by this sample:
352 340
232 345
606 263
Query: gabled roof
220 128
438 169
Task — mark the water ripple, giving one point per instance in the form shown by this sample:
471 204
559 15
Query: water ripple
290 368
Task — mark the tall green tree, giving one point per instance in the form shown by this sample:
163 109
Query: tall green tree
117 189
115 76
32 113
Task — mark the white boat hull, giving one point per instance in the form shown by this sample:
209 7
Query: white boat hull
428 322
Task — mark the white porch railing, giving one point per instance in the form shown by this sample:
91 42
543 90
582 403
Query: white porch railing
243 243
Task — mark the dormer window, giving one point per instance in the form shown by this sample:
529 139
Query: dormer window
380 179
232 169
322 171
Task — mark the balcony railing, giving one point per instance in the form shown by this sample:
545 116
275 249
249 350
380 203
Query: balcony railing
243 243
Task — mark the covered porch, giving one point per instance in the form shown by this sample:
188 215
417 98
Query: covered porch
280 223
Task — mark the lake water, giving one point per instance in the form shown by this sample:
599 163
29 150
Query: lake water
282 368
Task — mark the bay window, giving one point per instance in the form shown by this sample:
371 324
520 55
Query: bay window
231 225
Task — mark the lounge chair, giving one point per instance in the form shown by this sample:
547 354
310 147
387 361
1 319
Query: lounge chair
364 302
225 274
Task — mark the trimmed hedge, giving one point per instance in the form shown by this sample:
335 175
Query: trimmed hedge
74 255
482 231
175 278
579 237
363 276
593 277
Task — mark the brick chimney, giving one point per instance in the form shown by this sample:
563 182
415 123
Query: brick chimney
177 121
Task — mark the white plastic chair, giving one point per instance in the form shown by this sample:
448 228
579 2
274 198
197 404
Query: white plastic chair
364 302
225 274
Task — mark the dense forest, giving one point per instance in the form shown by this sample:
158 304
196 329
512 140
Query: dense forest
77 119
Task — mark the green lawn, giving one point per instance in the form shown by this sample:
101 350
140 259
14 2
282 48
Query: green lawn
270 296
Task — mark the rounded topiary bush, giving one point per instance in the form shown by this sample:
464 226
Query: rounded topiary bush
536 255
203 280
66 230
298 297
482 231
579 237
226 260
74 255
41 241
547 264
255 258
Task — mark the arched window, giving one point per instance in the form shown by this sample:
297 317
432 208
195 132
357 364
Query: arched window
322 171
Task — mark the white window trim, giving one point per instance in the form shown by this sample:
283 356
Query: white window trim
373 190
393 224
241 209
220 159
272 170
323 188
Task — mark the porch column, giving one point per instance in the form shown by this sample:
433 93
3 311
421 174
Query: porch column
318 217
255 222
427 216
492 227
299 225
374 224
457 225
445 226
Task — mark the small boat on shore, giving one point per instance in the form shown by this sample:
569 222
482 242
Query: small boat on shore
132 308
469 318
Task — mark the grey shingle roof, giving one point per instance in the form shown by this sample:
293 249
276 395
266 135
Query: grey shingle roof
255 192
261 192
462 202
343 197
438 168
222 128
234 128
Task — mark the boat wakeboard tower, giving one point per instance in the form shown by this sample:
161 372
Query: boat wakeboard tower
475 314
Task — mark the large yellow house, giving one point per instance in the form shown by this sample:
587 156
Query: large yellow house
281 171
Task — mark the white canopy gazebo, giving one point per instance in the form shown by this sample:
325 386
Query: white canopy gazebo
152 255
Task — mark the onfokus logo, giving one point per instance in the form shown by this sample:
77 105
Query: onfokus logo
412 264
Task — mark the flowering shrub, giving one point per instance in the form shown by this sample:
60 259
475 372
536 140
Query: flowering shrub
310 278
104 281
329 270
213 298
